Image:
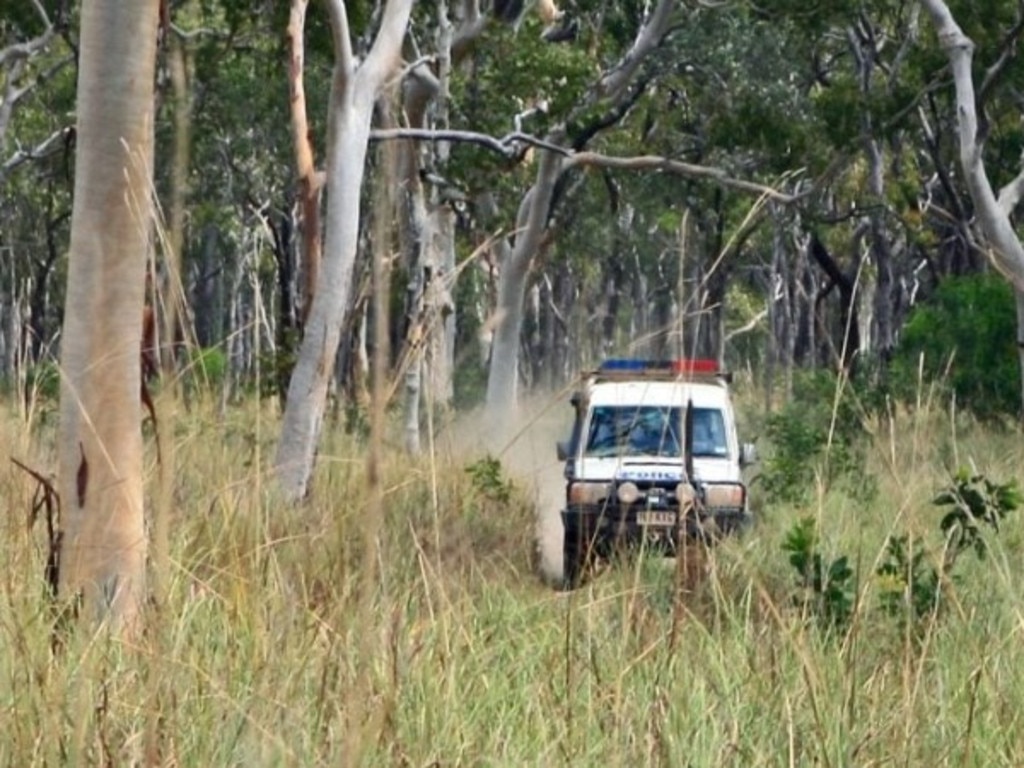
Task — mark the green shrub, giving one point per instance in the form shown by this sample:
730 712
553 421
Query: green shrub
817 434
42 381
207 368
970 502
826 587
963 337
489 480
908 582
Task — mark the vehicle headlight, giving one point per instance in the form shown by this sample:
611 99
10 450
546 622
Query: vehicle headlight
729 495
589 493
628 493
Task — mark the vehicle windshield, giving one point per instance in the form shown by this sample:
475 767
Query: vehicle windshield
653 431
634 431
709 433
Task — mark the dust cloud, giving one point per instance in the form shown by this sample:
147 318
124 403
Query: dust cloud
526 449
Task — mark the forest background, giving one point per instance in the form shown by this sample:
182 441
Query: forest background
781 191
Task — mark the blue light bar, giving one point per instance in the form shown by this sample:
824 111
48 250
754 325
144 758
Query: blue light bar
631 364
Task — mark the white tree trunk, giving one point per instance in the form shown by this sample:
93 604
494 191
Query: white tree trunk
427 229
103 556
353 93
440 363
502 381
993 213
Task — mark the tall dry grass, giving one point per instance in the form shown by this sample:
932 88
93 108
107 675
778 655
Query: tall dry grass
267 652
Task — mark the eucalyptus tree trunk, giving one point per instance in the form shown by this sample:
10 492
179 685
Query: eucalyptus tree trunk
503 378
993 212
310 182
103 550
354 90
427 223
415 231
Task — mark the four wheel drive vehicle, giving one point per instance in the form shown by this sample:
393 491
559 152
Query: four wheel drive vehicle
653 458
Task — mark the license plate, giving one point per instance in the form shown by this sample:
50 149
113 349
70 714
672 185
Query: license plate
654 517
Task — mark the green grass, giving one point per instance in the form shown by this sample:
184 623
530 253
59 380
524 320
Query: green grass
274 649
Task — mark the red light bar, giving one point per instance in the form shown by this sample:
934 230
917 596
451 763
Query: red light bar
695 365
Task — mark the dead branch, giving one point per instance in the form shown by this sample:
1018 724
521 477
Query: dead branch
511 146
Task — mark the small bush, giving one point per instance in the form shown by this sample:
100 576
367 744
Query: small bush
970 502
207 368
488 479
826 588
815 434
908 583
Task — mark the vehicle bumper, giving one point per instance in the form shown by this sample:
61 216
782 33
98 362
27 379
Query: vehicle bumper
607 526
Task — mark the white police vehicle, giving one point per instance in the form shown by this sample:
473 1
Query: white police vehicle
653 458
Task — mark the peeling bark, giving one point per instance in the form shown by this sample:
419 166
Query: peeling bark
309 181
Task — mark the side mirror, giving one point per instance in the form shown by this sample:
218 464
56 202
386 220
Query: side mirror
562 449
748 454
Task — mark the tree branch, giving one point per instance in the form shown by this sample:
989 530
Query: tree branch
649 37
29 48
1006 251
342 37
469 30
387 45
750 326
1007 52
614 115
679 168
510 146
46 147
1009 196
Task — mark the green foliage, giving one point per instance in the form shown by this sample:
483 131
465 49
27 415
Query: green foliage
355 418
470 383
523 69
206 369
973 501
42 381
488 479
826 587
817 434
470 374
910 579
907 580
910 584
839 107
963 337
